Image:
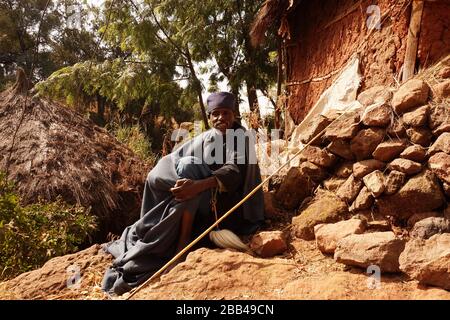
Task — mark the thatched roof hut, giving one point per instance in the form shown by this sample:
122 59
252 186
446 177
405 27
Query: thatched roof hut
320 36
49 150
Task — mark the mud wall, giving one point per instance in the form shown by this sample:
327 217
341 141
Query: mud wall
325 34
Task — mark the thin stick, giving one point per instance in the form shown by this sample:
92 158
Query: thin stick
179 254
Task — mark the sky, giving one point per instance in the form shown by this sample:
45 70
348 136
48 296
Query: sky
264 104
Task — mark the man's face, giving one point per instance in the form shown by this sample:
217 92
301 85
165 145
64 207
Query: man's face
222 119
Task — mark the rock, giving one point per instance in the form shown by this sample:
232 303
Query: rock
428 260
363 201
439 115
365 142
315 126
318 156
333 183
389 150
420 193
344 128
445 127
415 153
406 166
312 171
420 136
294 189
439 164
269 209
394 182
417 118
324 208
377 94
442 144
344 170
52 279
377 115
378 248
411 94
341 148
444 73
442 90
268 243
327 235
349 190
420 216
374 181
397 129
428 227
363 168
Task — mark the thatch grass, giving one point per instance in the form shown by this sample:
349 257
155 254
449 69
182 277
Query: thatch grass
49 150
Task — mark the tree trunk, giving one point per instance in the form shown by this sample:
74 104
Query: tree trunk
101 109
198 88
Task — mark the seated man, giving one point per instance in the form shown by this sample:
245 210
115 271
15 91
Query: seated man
177 194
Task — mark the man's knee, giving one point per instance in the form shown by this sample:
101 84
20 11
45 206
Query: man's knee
192 168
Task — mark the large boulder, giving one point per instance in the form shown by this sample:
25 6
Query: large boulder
416 217
318 156
341 148
377 115
366 141
442 144
389 150
327 235
397 129
377 94
294 189
268 243
428 261
428 227
344 170
439 115
312 171
406 166
411 94
417 117
420 135
440 165
415 153
332 184
314 127
362 168
375 183
345 127
324 208
421 193
378 248
394 182
349 190
442 90
363 201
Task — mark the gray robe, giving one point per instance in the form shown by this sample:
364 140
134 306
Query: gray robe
150 242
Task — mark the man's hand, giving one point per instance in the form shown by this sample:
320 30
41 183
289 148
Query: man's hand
186 189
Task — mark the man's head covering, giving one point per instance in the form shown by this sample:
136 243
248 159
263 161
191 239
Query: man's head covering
220 100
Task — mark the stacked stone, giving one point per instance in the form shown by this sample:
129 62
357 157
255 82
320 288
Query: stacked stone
393 156
392 160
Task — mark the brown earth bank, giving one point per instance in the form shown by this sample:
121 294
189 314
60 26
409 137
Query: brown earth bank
303 272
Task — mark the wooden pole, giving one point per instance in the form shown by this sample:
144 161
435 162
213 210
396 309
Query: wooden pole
412 40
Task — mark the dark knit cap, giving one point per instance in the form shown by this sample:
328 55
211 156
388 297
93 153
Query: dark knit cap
220 100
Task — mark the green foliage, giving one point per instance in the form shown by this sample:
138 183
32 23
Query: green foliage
135 139
32 234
